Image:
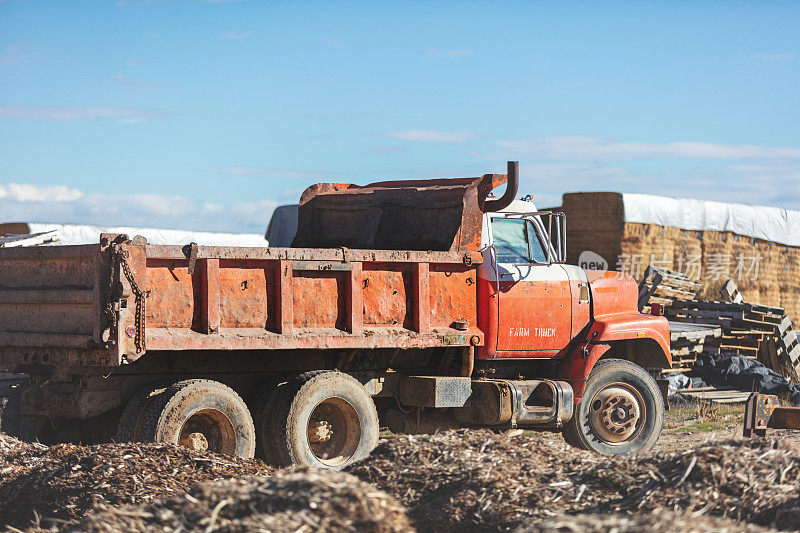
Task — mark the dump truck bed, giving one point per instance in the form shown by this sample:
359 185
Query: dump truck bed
111 303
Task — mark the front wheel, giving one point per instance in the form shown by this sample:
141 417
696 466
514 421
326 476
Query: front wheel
621 411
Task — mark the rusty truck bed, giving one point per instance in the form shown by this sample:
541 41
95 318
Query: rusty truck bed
80 303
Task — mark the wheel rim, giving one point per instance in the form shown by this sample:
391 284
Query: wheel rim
333 431
208 430
617 413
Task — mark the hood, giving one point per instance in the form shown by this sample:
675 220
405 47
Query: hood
613 293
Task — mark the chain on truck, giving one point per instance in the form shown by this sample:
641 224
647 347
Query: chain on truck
413 305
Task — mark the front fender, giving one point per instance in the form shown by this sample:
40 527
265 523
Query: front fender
646 330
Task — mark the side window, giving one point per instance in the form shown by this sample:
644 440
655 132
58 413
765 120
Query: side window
516 241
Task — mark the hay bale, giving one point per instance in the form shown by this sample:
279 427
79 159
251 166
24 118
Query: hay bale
596 222
304 500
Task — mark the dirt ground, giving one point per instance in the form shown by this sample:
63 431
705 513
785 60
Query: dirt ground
702 476
698 424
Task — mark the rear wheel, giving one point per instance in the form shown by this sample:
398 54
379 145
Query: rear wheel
322 419
201 415
128 427
621 411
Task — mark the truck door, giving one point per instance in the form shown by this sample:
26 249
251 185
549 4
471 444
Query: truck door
535 304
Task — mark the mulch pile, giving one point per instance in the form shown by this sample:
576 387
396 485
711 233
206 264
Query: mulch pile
65 481
287 501
752 480
489 482
477 479
661 520
459 480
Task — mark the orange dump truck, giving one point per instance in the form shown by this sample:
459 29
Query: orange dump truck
413 305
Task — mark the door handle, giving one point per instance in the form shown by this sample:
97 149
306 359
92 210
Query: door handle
583 297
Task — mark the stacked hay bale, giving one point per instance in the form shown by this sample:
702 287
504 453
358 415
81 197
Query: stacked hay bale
766 271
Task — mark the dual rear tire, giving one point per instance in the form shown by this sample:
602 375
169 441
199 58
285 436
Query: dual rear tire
200 414
321 419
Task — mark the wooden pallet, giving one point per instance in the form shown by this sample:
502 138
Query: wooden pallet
730 292
663 287
716 395
688 340
757 331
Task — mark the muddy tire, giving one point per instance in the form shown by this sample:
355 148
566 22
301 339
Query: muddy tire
128 428
202 415
322 419
621 411
10 413
23 427
264 421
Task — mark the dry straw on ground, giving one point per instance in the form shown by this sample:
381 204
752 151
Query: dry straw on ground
287 501
66 480
493 482
475 480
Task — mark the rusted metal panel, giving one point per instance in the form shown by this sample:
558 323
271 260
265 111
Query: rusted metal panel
310 338
439 214
387 290
209 274
171 301
764 411
284 301
315 254
354 300
453 294
319 299
246 294
48 299
535 312
421 297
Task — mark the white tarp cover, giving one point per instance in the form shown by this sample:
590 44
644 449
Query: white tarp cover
762 222
76 234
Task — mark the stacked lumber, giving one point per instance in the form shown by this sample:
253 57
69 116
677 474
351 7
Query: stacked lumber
29 239
687 341
756 331
662 286
730 292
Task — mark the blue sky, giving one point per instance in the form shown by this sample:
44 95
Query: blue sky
206 114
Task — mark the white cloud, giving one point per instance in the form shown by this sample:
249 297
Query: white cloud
12 55
62 204
38 193
124 79
72 113
331 42
596 148
235 35
776 57
265 172
432 136
460 52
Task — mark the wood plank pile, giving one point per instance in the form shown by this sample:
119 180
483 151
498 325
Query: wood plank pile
687 341
661 286
29 239
757 331
716 394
